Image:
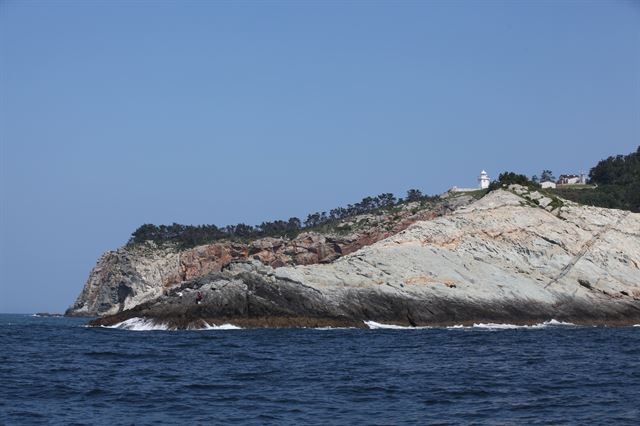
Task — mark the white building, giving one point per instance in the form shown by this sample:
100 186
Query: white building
483 183
570 179
548 184
583 178
484 180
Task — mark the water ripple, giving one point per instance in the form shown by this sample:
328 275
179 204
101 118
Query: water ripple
57 372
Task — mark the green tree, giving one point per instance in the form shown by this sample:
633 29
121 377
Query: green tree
618 184
509 178
414 195
547 176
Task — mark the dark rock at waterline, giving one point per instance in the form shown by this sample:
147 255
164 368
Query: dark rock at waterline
250 300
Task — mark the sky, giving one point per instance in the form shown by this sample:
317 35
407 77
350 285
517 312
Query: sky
115 114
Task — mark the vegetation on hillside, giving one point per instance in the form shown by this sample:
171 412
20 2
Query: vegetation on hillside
618 184
545 176
509 178
617 179
186 236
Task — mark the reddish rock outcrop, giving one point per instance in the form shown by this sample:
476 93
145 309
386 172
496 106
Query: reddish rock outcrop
307 248
209 258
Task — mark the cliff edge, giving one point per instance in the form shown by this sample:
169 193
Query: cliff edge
513 256
135 274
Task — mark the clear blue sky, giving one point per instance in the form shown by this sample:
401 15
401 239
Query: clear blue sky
114 114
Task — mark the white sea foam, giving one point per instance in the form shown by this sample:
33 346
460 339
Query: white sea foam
496 326
145 324
378 326
221 327
636 325
489 326
139 324
493 326
558 323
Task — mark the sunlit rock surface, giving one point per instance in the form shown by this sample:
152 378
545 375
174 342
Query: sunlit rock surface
503 258
127 277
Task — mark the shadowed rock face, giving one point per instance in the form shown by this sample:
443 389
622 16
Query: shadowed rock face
496 260
130 276
252 299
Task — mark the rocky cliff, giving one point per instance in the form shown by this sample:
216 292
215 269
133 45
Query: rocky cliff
513 256
132 275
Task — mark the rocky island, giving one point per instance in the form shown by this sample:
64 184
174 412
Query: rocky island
516 255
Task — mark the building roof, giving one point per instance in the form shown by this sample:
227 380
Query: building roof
568 176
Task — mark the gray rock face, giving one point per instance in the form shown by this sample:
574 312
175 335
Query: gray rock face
497 260
130 276
123 279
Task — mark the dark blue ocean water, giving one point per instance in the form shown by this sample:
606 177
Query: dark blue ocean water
54 371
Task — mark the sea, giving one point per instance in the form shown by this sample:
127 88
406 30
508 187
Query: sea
55 370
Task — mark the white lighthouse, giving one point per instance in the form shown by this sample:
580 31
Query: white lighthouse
483 180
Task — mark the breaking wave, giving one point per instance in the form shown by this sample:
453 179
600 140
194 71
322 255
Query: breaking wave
379 326
221 327
139 324
489 326
496 326
145 324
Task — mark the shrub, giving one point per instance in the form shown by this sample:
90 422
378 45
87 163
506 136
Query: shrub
510 178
